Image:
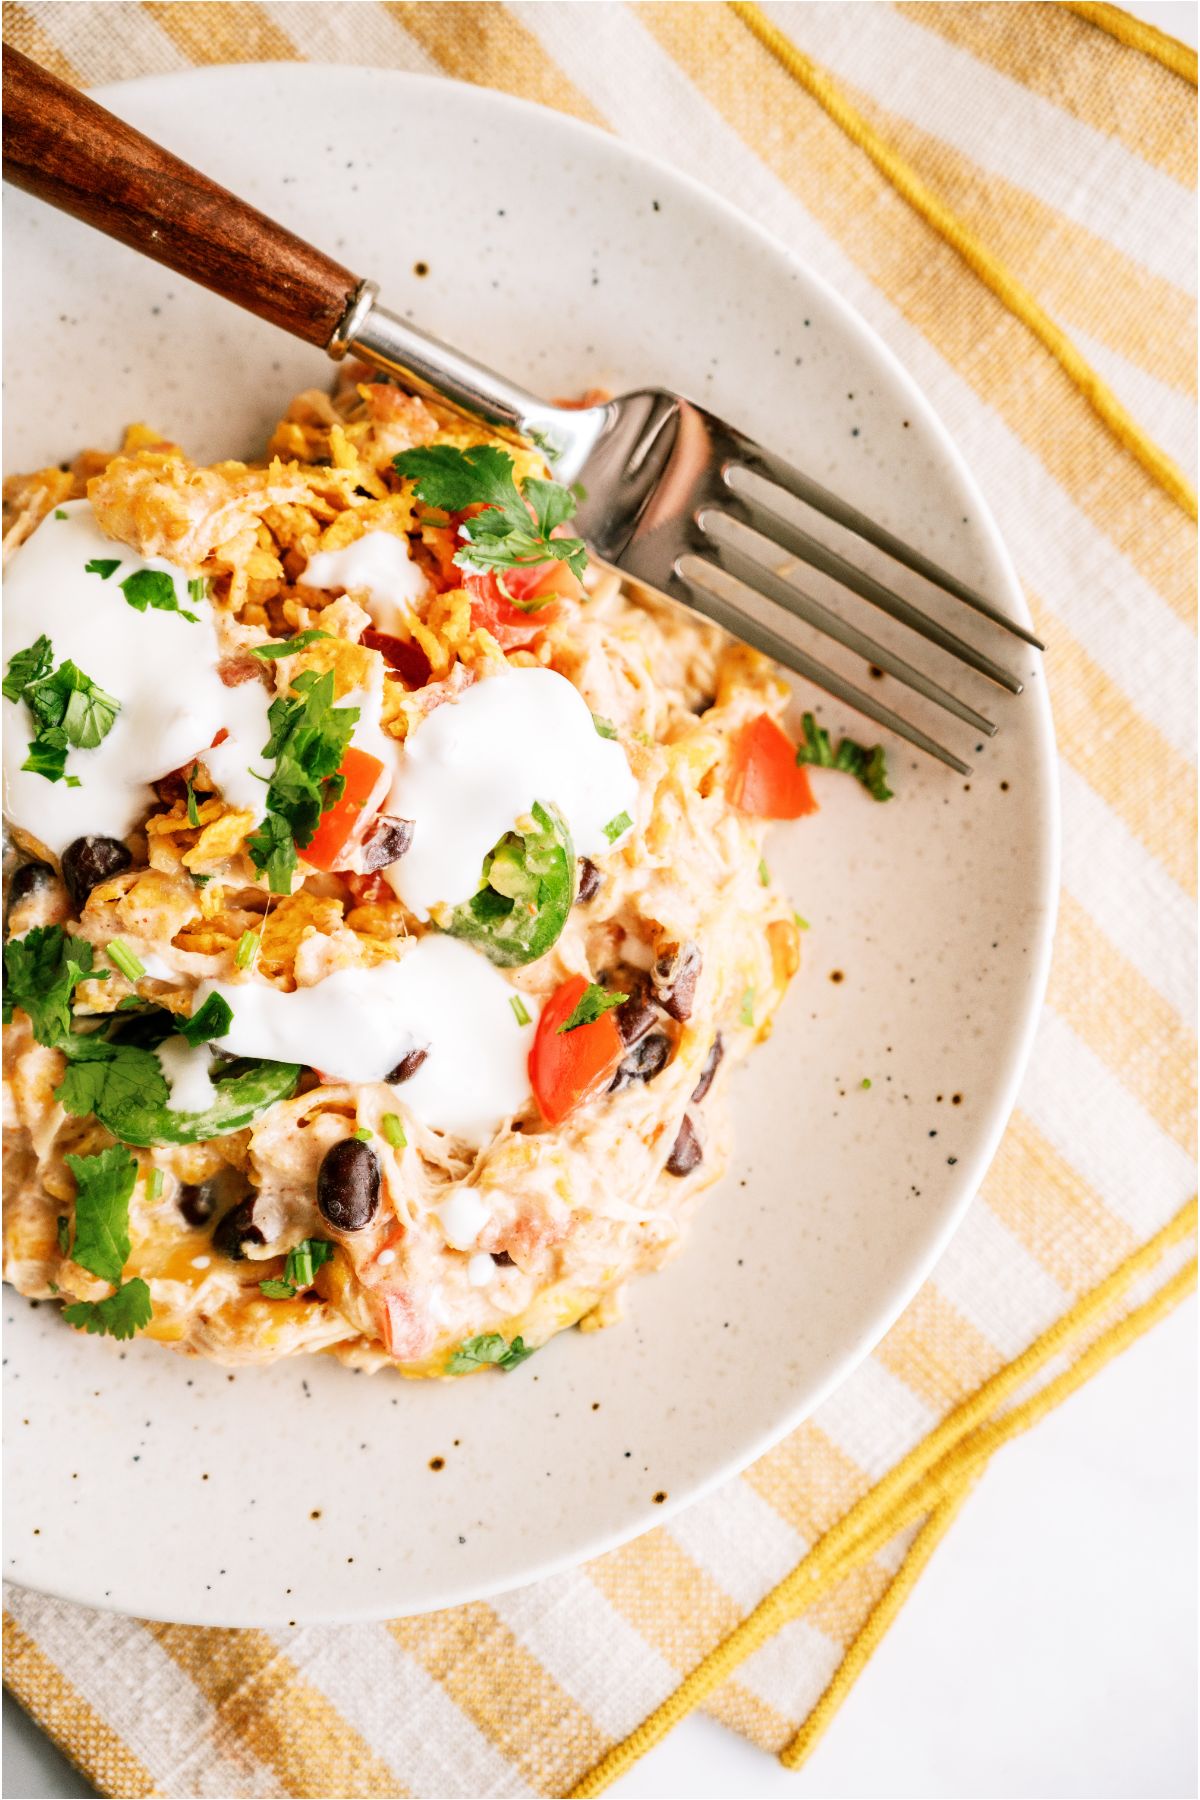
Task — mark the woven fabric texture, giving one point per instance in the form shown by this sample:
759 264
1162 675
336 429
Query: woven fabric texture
1007 193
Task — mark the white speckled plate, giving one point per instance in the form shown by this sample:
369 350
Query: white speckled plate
168 1488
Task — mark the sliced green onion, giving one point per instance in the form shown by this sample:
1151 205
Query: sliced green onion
244 953
865 1082
154 1184
393 1131
615 827
122 957
764 874
363 1135
518 1007
604 727
59 513
801 924
747 1014
277 1290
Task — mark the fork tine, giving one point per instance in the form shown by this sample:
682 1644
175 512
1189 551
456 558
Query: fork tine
726 531
773 468
714 593
800 544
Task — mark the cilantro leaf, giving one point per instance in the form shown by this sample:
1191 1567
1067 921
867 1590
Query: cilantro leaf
593 1003
869 767
103 1186
106 1078
156 589
604 727
41 972
67 706
127 1311
289 646
303 1261
503 536
308 740
28 666
488 1348
212 1021
103 566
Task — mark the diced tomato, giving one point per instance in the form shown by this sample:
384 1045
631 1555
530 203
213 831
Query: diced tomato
567 1068
766 779
493 608
362 774
407 658
405 1333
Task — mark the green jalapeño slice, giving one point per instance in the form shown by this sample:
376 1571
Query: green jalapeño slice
525 893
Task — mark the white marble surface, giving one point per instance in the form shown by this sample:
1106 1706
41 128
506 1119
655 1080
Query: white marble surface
1048 1651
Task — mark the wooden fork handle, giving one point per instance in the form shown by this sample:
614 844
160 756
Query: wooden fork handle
62 147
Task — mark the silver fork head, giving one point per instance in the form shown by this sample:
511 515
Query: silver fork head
677 499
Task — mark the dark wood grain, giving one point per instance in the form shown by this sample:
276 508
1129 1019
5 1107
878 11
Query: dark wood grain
64 148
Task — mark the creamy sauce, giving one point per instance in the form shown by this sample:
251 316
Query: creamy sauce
160 666
477 764
357 1024
188 1077
462 1217
377 566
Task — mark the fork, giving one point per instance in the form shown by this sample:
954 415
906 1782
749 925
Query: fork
671 496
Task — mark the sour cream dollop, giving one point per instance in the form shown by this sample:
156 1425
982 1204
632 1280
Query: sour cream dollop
357 1024
477 764
159 665
378 566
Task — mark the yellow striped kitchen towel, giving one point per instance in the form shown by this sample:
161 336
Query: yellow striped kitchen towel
1007 193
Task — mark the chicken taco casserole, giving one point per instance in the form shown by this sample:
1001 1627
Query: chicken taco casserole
386 905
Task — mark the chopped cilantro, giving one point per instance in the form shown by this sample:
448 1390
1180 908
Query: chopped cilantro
103 566
393 1131
243 956
59 513
503 536
802 924
488 1348
289 646
747 1012
193 811
212 1021
127 1311
28 666
865 1082
121 957
518 1007
593 1003
200 880
604 727
308 739
156 589
867 766
41 972
617 827
103 1186
69 710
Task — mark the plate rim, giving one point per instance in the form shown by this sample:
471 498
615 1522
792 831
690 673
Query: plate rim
973 1167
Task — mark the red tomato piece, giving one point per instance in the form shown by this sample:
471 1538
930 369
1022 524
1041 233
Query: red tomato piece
766 779
362 775
565 1069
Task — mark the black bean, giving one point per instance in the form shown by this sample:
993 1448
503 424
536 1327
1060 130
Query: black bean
30 879
89 861
502 1259
590 881
711 1064
198 1204
236 1230
385 843
634 1018
348 1185
407 1067
676 972
686 1153
646 1059
703 704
